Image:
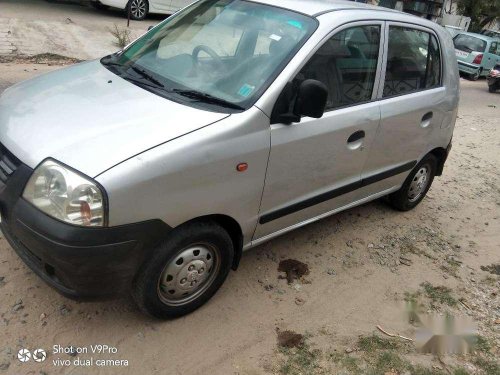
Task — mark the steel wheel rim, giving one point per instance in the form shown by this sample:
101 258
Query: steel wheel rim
419 183
138 8
189 274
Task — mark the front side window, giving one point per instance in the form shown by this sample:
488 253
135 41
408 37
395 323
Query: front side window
347 65
217 51
413 61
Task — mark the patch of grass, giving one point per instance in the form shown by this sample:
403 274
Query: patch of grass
372 343
388 362
439 294
490 367
420 370
460 371
412 297
41 58
453 266
122 35
300 361
351 364
482 344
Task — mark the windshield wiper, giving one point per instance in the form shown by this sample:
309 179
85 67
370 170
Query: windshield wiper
107 61
147 76
207 98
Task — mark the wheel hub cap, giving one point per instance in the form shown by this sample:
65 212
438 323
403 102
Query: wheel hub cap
188 275
419 183
138 8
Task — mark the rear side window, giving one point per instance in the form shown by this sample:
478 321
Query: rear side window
413 61
347 65
469 43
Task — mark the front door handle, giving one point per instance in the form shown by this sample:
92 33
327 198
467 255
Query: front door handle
356 136
426 119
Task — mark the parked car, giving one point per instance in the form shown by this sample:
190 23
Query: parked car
139 9
476 54
494 79
150 171
491 33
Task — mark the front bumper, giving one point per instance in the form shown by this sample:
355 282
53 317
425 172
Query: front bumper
84 263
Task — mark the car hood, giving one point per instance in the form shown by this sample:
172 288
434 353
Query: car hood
90 119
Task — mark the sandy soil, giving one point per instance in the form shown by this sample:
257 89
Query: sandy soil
63 27
361 263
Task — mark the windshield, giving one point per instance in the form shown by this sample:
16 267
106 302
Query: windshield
469 43
221 52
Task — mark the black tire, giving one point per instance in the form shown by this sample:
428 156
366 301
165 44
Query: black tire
475 76
135 14
146 290
491 88
400 199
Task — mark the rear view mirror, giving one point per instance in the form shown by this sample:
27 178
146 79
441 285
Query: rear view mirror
311 99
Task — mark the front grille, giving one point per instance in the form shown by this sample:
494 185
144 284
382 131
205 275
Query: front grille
8 164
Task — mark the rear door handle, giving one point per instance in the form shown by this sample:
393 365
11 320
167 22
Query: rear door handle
356 136
426 120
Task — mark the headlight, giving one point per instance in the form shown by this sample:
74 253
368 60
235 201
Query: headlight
65 195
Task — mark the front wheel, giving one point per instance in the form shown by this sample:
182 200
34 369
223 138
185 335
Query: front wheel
185 271
416 185
491 88
138 9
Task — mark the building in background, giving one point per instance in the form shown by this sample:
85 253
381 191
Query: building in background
443 12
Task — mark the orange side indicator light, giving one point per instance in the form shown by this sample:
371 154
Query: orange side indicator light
242 167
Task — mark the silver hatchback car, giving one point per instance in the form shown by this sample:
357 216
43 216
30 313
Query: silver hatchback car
150 171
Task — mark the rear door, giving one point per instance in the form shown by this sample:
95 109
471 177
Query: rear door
412 105
315 165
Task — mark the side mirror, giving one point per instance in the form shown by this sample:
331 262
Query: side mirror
311 99
150 27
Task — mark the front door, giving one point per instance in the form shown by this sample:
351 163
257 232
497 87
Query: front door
315 165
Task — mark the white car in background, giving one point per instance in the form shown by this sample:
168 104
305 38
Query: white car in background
139 9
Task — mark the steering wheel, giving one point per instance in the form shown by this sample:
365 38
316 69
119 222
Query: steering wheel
210 52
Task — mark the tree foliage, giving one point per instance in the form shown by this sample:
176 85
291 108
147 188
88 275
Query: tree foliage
481 12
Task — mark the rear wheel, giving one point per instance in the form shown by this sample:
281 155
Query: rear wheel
138 9
416 185
476 75
491 88
185 271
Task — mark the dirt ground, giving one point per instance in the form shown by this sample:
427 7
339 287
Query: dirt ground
362 265
65 27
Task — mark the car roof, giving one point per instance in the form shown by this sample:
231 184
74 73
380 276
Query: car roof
315 8
480 36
